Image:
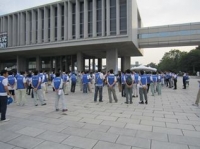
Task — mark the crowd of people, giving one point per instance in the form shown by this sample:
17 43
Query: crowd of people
131 84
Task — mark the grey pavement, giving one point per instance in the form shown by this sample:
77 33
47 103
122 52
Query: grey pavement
169 121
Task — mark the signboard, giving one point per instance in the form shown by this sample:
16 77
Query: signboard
3 40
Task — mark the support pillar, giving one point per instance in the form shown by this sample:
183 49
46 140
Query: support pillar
125 63
112 60
51 64
99 63
93 64
38 63
89 64
61 64
21 64
80 62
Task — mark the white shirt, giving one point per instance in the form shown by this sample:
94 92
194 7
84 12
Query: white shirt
5 83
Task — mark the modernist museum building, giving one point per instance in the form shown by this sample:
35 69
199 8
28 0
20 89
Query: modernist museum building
64 34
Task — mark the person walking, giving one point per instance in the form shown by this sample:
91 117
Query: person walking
98 79
4 92
111 82
129 80
198 96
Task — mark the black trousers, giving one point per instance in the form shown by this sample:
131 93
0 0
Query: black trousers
123 90
148 87
73 86
3 106
175 84
184 84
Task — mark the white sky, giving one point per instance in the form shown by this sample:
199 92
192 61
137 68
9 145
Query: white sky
153 13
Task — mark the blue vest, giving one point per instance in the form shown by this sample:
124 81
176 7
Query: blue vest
148 79
20 83
2 89
35 81
144 80
11 80
122 79
45 78
136 78
73 78
57 82
111 79
41 76
99 81
154 78
64 77
158 78
84 79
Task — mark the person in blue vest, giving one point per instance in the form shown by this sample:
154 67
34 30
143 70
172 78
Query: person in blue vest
148 75
129 80
185 78
85 82
123 85
111 82
21 88
175 77
4 93
42 76
37 90
46 77
153 83
73 82
98 79
57 84
65 78
89 82
158 83
143 88
11 84
135 85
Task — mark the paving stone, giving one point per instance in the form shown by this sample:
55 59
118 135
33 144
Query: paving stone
184 140
52 145
101 128
30 131
52 127
191 133
113 124
180 126
109 137
76 132
133 141
53 136
152 135
5 146
189 122
122 131
80 142
72 118
142 117
165 120
107 118
166 145
139 127
107 145
176 117
128 120
6 136
83 115
91 121
153 123
26 142
193 147
167 130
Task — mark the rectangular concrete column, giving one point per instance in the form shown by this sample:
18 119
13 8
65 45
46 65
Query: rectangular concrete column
46 24
38 63
112 60
51 64
1 65
14 29
65 21
108 17
89 64
93 64
21 64
59 22
10 31
69 20
117 17
1 24
5 24
39 26
28 28
33 27
99 63
85 18
22 29
125 63
80 62
103 18
94 19
52 24
77 19
18 28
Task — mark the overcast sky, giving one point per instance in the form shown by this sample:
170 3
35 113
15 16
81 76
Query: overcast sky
153 13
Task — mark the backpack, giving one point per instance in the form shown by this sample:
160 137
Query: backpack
129 79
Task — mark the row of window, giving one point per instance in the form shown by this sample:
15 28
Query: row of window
169 34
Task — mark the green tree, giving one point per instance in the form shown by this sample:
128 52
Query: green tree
153 65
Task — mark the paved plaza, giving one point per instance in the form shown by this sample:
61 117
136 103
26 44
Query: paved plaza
167 122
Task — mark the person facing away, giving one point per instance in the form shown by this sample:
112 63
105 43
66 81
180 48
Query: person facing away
21 88
185 78
4 92
11 84
37 90
111 82
98 79
123 84
198 96
129 80
175 80
57 84
73 82
85 82
143 88
135 88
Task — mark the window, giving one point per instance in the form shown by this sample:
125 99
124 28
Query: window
123 16
49 22
74 21
113 17
56 22
42 12
99 18
36 21
90 15
81 19
62 21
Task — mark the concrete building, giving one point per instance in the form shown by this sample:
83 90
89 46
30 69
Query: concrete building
60 35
